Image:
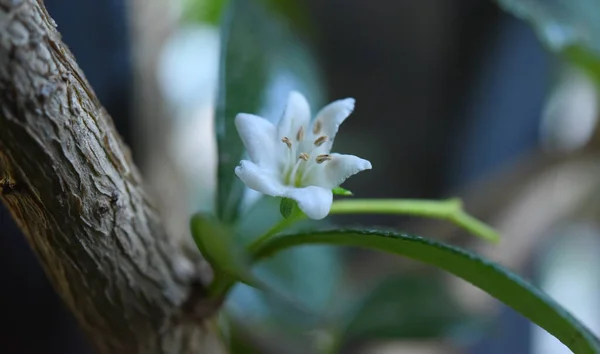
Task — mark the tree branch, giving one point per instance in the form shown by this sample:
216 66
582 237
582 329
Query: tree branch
69 182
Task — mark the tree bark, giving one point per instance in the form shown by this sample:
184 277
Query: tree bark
69 182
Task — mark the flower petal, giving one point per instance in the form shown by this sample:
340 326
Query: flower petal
259 138
314 201
334 172
296 115
329 119
259 179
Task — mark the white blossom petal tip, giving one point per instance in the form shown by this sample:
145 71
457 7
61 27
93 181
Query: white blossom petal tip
293 160
347 105
338 169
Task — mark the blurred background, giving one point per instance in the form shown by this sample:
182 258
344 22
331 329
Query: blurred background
454 98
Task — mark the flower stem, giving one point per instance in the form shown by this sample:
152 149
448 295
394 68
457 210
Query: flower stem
449 209
296 215
427 208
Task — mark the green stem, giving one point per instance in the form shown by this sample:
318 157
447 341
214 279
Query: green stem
220 286
449 209
474 226
426 208
296 216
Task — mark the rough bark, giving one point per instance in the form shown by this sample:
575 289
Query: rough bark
69 182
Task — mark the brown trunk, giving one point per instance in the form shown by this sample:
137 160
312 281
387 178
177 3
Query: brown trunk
69 182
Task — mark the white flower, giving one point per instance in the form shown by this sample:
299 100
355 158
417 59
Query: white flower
293 160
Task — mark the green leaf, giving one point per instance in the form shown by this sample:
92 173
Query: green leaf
286 206
571 28
203 11
342 191
211 11
585 59
488 276
262 60
216 242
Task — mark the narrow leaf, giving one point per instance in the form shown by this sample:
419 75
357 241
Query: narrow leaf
488 276
243 75
262 59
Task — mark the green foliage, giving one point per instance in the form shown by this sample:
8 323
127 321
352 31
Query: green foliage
217 244
585 59
211 11
230 264
203 11
492 278
261 59
243 79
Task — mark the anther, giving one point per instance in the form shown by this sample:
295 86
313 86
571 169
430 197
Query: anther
300 134
304 156
320 140
317 127
287 142
323 158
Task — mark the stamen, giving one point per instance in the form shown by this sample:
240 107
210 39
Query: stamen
300 134
320 140
317 127
304 156
287 142
322 158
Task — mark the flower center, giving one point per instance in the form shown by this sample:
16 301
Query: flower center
302 158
